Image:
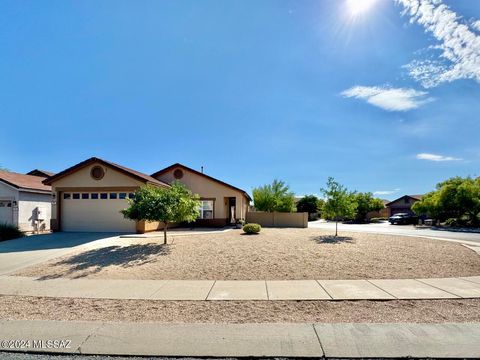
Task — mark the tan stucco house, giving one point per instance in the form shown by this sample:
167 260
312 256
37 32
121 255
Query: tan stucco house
89 196
25 201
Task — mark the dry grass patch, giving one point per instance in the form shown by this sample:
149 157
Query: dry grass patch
274 254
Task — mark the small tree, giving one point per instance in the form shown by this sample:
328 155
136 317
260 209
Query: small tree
274 197
173 204
365 204
339 202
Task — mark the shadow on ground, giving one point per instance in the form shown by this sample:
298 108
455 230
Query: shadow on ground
330 239
93 261
52 241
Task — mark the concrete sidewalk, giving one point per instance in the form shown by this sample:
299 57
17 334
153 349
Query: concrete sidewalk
381 289
243 340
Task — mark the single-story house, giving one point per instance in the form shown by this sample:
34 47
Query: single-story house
25 201
221 203
403 204
89 196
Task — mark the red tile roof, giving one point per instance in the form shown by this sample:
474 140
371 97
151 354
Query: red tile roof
22 181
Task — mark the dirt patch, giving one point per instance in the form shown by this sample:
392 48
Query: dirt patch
419 311
274 254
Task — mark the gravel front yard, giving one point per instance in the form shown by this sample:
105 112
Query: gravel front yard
420 311
275 254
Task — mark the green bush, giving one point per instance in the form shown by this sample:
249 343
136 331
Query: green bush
456 222
252 228
8 232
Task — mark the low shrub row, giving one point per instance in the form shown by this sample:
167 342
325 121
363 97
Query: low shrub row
8 232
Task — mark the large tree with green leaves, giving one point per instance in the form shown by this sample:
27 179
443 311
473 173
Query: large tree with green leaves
456 198
339 202
310 204
365 204
174 204
274 197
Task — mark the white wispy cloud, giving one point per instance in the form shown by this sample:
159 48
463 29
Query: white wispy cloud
476 25
458 44
388 98
385 192
436 157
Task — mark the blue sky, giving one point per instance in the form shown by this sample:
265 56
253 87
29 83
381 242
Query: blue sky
383 100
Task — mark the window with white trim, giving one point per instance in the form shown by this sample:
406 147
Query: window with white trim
206 209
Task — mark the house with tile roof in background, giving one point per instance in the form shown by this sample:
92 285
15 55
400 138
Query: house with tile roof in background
25 201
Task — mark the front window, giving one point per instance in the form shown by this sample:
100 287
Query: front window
206 209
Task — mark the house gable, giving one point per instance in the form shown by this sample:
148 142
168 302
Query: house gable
404 201
112 175
168 175
82 178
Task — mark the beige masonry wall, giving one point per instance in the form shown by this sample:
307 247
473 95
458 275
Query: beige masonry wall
147 226
278 219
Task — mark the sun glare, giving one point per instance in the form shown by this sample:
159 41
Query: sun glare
359 7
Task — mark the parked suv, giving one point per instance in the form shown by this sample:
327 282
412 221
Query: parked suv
403 219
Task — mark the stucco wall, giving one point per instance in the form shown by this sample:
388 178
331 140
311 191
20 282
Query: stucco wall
8 214
207 188
27 206
147 226
82 178
278 219
7 192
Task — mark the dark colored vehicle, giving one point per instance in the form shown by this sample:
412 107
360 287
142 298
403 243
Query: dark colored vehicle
403 219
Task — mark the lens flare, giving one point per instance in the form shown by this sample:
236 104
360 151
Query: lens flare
359 7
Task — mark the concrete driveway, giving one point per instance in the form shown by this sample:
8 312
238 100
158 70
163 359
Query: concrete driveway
19 253
387 228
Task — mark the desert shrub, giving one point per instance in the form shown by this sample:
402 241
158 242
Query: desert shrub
456 222
252 228
8 232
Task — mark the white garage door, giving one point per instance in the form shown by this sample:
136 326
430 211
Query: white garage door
6 213
95 211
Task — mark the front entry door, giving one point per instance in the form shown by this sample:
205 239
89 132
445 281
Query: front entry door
232 202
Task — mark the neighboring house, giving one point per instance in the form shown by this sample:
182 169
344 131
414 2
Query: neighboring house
41 173
90 195
25 201
222 203
403 204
